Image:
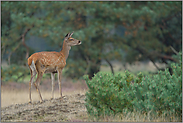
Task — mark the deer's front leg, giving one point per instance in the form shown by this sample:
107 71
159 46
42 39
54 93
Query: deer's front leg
53 84
59 81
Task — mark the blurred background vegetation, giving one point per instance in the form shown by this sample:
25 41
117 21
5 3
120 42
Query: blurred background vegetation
122 31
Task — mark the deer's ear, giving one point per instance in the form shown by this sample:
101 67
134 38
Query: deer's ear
71 34
67 35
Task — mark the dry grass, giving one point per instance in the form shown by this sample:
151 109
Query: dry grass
12 97
135 67
17 93
139 117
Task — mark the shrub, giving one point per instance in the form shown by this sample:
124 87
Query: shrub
159 93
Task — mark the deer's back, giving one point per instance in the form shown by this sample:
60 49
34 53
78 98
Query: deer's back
48 59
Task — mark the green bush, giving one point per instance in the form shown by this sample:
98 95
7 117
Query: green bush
159 93
14 72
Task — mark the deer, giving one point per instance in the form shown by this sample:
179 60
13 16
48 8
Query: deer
50 62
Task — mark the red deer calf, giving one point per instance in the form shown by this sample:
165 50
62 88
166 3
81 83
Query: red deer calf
50 62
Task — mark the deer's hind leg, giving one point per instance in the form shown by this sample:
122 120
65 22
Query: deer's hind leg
40 70
33 74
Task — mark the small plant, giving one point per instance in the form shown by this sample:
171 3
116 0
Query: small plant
158 94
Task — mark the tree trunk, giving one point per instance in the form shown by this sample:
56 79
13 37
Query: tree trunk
94 68
112 70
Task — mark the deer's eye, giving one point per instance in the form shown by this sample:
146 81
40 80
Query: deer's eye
71 39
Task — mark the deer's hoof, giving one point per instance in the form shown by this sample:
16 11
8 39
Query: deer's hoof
62 97
30 102
41 101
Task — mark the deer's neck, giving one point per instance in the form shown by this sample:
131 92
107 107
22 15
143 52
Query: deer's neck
65 50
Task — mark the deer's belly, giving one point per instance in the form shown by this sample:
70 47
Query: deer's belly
51 68
51 71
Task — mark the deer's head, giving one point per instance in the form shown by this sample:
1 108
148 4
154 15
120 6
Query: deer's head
71 41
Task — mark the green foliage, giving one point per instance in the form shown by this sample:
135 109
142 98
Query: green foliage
158 94
126 31
14 72
71 71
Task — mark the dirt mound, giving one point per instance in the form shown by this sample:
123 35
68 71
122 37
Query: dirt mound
70 108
